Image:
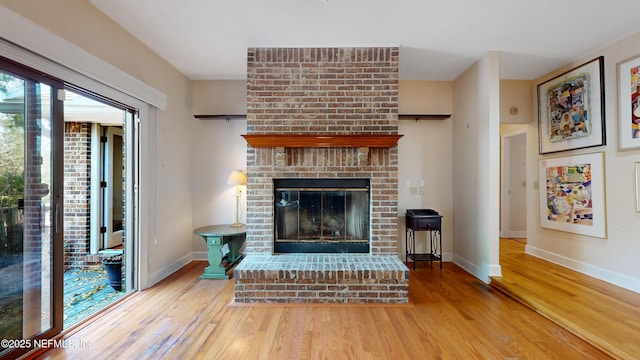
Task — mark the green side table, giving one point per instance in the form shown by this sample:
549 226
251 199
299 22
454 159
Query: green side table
216 237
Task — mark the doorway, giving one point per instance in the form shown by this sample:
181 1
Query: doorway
95 201
112 189
47 200
514 203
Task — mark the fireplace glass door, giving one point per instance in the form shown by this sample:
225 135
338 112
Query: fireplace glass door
321 215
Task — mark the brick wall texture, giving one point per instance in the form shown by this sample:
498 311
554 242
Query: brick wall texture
77 194
317 91
322 91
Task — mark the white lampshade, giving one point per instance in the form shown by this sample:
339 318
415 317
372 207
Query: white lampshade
237 177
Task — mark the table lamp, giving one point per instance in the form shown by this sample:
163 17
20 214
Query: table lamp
237 178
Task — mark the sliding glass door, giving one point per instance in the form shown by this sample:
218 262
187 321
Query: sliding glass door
31 132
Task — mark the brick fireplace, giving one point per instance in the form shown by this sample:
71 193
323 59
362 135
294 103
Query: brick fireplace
322 113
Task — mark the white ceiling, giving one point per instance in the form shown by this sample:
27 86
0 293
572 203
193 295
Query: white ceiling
438 39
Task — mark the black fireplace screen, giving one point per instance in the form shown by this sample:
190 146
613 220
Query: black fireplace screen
321 215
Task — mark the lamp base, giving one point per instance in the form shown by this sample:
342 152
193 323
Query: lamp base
238 224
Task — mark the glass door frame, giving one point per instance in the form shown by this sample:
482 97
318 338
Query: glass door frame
79 67
132 160
56 190
132 164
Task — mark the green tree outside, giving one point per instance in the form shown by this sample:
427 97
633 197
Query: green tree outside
11 140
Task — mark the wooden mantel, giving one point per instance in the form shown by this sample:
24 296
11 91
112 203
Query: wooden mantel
322 141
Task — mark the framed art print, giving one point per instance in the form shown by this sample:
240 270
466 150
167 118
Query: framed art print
572 194
629 103
571 109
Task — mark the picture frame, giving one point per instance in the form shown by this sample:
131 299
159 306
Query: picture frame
637 177
571 112
629 104
572 195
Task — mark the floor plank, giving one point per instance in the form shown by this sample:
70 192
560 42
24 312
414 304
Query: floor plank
601 313
451 315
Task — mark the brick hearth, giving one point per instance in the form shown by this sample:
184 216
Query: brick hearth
322 91
322 278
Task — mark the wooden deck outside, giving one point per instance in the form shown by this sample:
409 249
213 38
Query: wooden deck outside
86 292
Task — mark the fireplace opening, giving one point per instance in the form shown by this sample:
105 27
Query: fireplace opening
321 215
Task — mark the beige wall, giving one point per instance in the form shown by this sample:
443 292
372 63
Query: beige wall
476 168
220 97
515 94
613 259
425 157
425 97
217 149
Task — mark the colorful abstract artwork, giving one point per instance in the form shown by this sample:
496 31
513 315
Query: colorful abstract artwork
629 98
572 198
569 194
569 115
635 102
571 110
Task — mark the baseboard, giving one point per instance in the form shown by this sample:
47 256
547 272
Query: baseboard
162 273
471 268
517 235
199 256
593 271
495 270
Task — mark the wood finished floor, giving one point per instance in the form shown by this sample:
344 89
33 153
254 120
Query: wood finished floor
603 314
451 315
